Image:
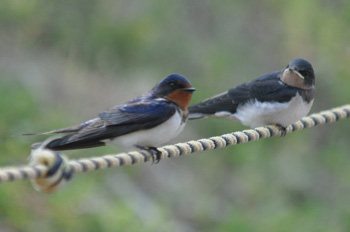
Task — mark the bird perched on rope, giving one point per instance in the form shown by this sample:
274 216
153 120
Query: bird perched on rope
145 122
281 98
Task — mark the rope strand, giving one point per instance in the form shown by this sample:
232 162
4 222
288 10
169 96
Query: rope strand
8 174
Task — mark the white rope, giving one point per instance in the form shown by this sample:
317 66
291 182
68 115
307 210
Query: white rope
43 160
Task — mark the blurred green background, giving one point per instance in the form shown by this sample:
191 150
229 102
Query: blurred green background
62 62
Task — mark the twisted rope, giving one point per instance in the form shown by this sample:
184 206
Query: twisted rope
130 158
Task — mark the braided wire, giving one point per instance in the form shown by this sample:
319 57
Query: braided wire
8 174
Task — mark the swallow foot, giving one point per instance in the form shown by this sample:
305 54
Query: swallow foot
282 129
155 153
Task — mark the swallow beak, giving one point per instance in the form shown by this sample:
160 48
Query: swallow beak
296 72
189 89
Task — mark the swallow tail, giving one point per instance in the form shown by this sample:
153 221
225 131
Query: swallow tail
64 144
58 131
211 106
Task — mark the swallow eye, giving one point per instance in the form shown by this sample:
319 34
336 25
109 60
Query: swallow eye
304 73
172 84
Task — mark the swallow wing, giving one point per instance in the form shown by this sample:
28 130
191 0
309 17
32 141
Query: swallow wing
266 88
117 121
145 114
125 119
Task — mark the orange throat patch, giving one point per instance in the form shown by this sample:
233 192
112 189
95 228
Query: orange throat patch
181 98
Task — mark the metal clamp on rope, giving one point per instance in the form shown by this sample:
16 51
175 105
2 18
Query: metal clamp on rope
58 170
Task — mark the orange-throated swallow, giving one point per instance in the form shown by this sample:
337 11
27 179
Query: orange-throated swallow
281 98
146 122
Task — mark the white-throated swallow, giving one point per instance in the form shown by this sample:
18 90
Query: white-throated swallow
146 122
281 98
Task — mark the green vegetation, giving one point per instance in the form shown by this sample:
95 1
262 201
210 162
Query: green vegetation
62 62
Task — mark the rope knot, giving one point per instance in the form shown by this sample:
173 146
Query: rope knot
58 171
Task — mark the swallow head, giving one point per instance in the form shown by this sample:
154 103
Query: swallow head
175 88
300 74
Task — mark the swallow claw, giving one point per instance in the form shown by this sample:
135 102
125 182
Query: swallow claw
282 129
155 153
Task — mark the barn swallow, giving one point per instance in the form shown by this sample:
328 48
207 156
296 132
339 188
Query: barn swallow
281 98
146 122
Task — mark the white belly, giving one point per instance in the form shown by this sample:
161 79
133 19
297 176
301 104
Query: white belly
257 113
153 137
